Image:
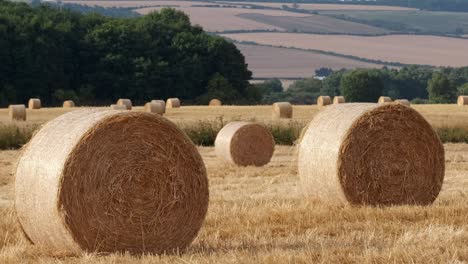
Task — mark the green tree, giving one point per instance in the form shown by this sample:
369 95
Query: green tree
463 89
360 86
441 89
331 84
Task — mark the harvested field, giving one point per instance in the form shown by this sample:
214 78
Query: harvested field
223 19
316 24
135 3
427 50
323 6
284 82
270 62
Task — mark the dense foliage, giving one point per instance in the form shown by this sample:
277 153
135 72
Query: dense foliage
57 54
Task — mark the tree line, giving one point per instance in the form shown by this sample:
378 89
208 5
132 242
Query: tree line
57 54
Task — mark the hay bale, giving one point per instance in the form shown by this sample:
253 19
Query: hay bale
323 100
371 154
17 112
404 102
154 107
339 100
126 102
173 103
68 104
34 103
108 181
118 107
462 100
245 144
282 110
384 99
215 102
160 102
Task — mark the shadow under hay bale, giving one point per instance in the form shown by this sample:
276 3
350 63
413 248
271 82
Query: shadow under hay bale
126 102
371 154
323 100
282 110
34 103
94 197
17 112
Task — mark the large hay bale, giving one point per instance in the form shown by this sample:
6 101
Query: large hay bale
215 102
126 102
384 99
17 112
324 100
282 110
68 104
404 102
339 100
154 107
118 107
34 103
107 181
162 102
173 103
245 144
371 154
462 100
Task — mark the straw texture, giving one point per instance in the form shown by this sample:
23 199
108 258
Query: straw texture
323 100
68 104
215 102
282 110
17 112
34 103
339 100
126 102
462 100
118 107
245 144
173 103
154 107
384 99
160 102
371 154
111 181
404 102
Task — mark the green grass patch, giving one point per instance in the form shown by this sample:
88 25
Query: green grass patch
14 136
453 134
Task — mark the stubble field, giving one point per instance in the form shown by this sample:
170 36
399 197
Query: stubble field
259 215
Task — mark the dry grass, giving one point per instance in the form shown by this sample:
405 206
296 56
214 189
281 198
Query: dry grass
430 50
328 6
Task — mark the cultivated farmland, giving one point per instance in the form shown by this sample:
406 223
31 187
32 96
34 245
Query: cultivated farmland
426 50
322 6
268 62
135 3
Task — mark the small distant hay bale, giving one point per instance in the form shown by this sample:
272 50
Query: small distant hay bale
245 144
371 154
404 102
34 103
17 112
154 107
462 100
162 102
282 110
111 182
339 100
215 102
68 104
126 102
324 100
118 107
173 103
384 99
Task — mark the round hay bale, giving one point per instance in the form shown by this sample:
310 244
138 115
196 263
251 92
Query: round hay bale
245 144
282 110
160 102
323 100
126 102
118 107
154 107
17 112
34 103
215 102
384 99
173 103
108 181
404 102
371 154
462 100
339 100
68 104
